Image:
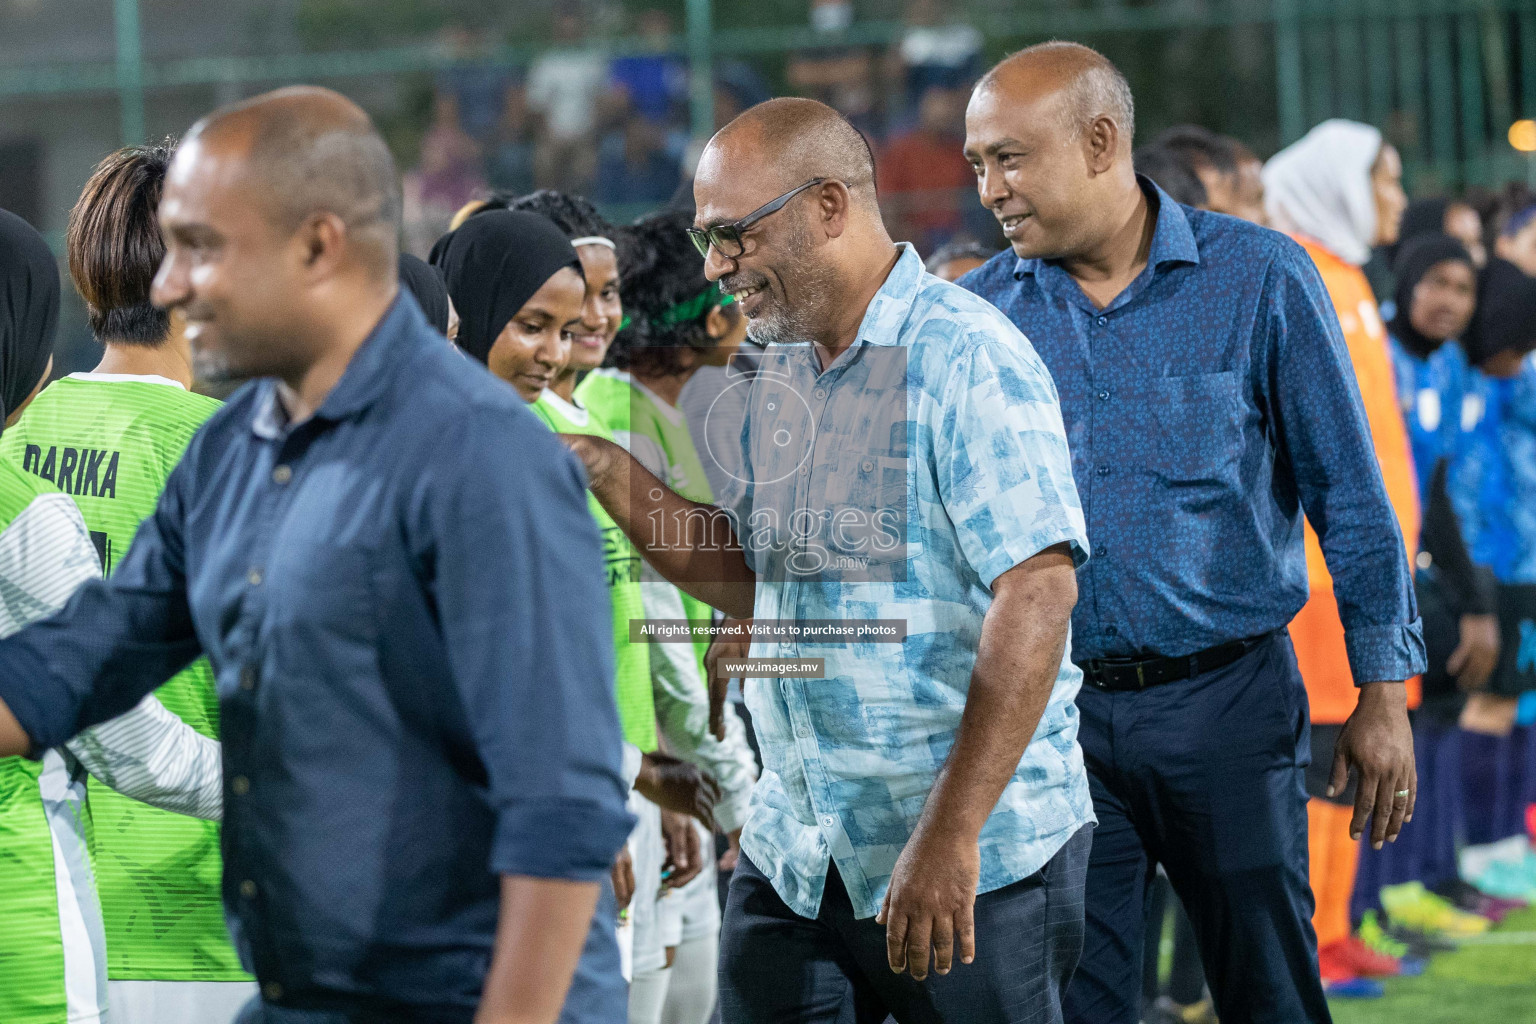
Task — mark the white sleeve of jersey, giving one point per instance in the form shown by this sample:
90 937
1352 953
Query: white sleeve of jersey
148 753
682 712
151 755
45 553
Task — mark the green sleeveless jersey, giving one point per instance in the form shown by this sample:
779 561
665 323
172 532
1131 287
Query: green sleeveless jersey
110 441
52 960
632 666
655 433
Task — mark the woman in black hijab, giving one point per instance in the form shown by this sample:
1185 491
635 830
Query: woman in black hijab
426 285
1436 293
516 283
29 313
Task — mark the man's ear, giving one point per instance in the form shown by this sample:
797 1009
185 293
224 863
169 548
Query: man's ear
835 203
323 241
1100 143
717 325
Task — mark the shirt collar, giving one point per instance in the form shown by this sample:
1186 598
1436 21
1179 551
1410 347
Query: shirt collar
888 310
369 372
1173 240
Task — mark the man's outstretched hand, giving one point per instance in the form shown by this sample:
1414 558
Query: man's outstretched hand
726 646
675 785
1377 743
930 903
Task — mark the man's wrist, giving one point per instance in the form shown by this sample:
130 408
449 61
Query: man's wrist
1385 693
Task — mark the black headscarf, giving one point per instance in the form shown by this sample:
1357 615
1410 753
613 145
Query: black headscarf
1422 217
426 285
29 310
493 264
1506 313
1414 260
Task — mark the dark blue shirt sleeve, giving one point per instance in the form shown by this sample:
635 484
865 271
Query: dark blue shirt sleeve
113 642
1320 427
519 584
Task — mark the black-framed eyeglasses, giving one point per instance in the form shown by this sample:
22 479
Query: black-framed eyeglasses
726 238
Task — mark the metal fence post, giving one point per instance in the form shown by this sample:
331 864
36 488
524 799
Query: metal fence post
130 71
1293 122
701 72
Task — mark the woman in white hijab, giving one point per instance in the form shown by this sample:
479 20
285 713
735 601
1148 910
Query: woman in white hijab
1338 192
1339 185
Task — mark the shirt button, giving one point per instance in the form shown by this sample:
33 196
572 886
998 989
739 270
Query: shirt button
1103 320
868 465
253 577
828 820
248 678
805 470
1103 471
1424 560
272 990
282 474
248 889
1111 631
239 785
821 393
1103 396
1103 551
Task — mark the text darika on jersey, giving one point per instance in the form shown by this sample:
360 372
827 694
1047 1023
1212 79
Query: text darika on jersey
79 471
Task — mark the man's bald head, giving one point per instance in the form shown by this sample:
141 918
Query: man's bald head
311 150
794 140
1089 85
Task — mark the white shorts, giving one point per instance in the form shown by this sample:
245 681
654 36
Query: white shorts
177 1002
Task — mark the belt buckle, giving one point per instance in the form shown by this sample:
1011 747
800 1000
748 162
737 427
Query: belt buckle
1141 677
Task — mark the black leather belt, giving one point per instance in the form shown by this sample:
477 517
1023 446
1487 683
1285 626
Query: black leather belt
1131 674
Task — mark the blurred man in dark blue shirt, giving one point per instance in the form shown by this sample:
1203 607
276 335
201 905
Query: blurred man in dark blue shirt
1209 400
390 563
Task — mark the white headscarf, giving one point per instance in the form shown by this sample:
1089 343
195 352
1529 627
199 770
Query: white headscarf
1320 186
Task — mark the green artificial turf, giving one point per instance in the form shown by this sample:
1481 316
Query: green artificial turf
1491 980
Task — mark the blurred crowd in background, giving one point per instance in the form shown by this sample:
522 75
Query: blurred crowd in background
617 129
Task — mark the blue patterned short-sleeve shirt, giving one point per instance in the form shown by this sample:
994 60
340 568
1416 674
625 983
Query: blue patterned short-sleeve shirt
898 483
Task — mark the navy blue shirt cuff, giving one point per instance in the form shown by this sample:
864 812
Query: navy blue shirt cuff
43 710
1385 653
571 839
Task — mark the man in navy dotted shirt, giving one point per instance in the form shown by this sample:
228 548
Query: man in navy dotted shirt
1209 402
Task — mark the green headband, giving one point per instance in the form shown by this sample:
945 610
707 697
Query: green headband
692 309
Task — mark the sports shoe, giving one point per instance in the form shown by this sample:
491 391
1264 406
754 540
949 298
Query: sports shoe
1354 988
1465 896
1352 958
1415 907
1375 937
1506 880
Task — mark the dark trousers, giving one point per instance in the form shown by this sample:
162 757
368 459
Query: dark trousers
1203 776
777 967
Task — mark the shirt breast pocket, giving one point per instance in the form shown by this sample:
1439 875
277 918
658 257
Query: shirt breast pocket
866 517
1199 420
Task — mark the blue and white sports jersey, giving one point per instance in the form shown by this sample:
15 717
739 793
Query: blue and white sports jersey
1493 481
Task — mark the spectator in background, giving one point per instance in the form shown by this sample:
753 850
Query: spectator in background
565 85
447 175
1454 217
511 151
1227 169
635 167
1517 239
924 177
450 159
1173 175
478 86
934 51
841 76
959 258
655 82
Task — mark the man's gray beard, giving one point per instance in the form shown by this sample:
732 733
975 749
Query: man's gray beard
804 322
